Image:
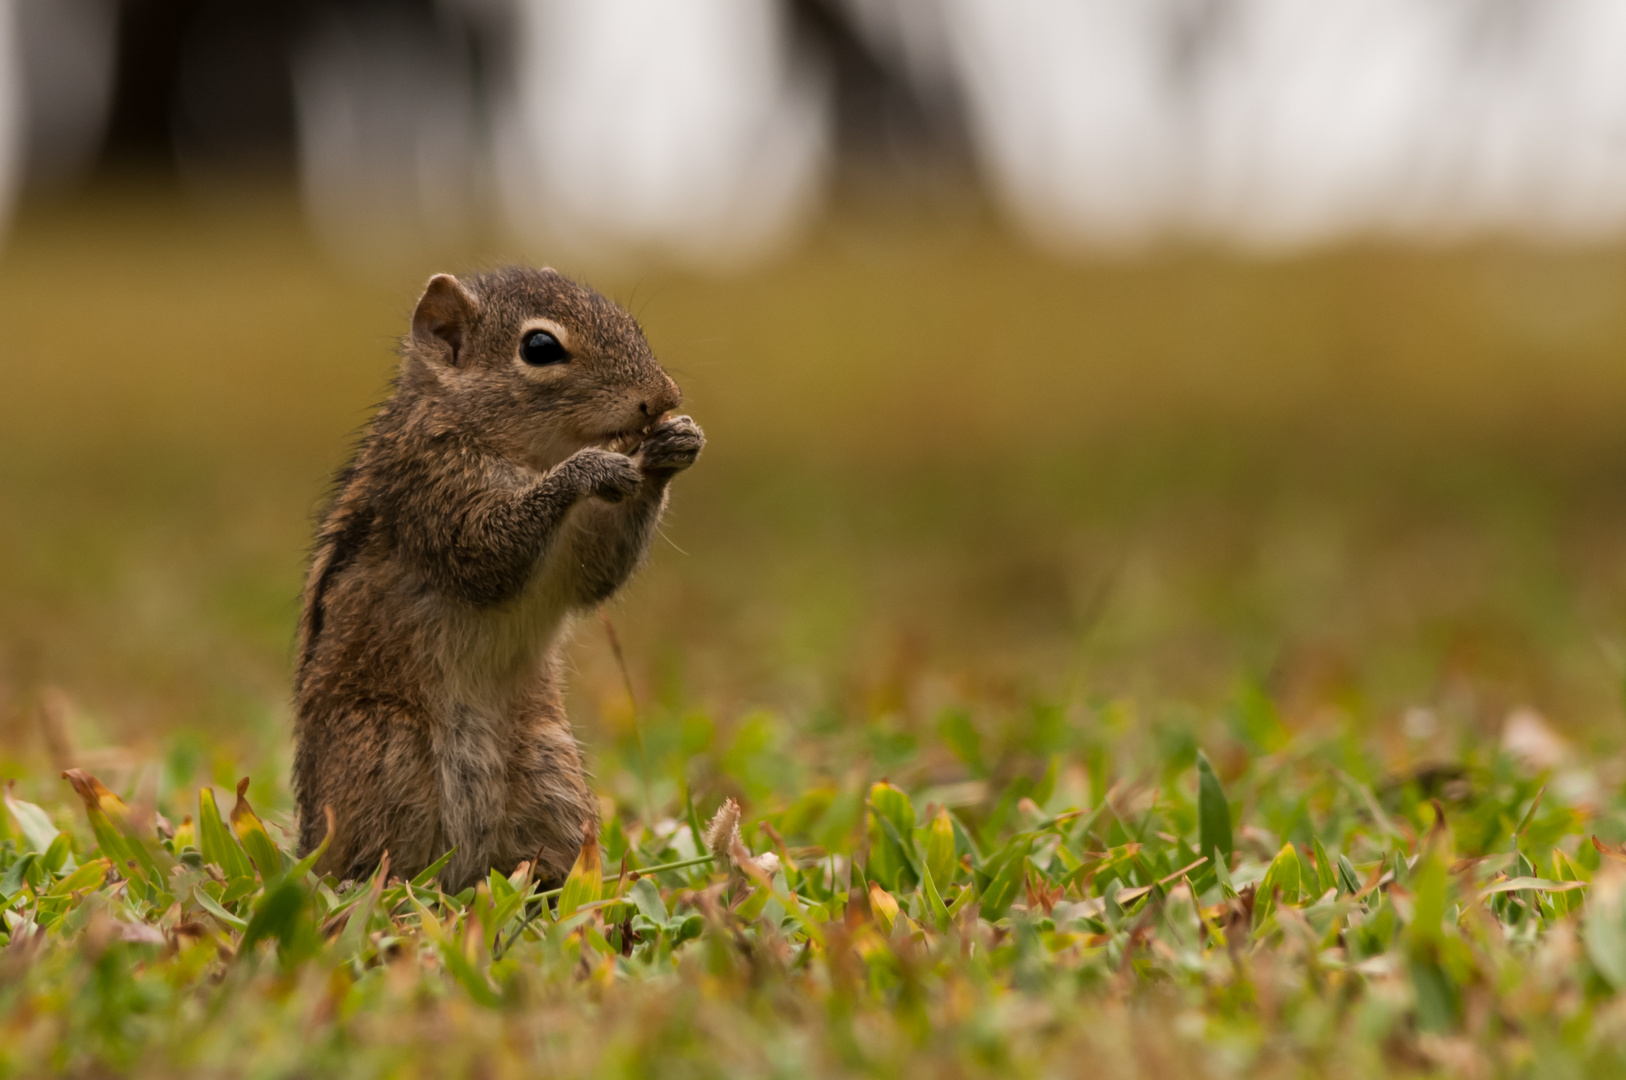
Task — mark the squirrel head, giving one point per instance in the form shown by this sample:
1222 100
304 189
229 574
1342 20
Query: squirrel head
539 365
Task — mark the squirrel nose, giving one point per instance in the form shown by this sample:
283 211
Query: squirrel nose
662 401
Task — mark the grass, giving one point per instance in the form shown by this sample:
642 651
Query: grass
983 550
1463 919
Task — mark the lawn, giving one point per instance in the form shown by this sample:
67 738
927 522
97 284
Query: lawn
1181 665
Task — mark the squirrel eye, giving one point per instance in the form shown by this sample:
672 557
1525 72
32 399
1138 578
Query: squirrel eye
541 348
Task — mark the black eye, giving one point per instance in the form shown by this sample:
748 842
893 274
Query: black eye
541 348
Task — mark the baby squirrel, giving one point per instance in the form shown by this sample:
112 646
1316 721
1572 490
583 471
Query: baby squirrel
514 478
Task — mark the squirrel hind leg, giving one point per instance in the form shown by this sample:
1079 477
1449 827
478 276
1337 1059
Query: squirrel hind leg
374 769
550 808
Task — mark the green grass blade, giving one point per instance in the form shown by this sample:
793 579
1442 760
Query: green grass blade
1213 814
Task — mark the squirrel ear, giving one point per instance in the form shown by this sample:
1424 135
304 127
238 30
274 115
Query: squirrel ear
442 318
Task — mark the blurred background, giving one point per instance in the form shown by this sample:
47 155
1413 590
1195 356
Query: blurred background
1072 368
706 131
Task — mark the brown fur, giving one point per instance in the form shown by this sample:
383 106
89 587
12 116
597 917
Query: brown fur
487 502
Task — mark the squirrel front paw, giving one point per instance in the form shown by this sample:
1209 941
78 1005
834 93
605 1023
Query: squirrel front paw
603 474
671 447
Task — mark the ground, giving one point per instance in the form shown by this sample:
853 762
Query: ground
984 549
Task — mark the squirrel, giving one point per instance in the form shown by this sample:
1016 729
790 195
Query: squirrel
514 478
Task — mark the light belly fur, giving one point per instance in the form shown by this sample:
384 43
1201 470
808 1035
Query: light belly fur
495 662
